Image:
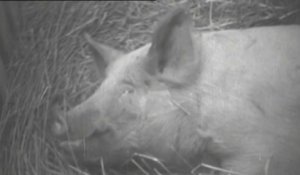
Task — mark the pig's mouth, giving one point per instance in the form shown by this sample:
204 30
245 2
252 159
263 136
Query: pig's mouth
67 144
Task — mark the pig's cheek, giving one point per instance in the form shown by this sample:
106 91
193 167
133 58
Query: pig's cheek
142 104
132 103
157 104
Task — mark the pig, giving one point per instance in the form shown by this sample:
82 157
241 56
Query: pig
230 97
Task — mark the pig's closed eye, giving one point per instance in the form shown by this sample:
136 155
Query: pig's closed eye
128 88
128 91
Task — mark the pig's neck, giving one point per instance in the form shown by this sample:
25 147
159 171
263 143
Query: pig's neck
176 134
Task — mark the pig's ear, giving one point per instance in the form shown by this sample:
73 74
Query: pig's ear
103 54
172 57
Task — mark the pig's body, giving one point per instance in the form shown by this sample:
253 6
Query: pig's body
250 97
230 96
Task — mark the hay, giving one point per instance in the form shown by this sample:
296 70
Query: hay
51 59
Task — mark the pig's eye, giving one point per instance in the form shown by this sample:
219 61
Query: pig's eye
129 90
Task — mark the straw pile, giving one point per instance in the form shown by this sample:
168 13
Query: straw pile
51 59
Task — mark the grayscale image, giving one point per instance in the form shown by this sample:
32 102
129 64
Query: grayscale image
166 87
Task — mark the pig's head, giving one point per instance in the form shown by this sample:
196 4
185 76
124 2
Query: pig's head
145 104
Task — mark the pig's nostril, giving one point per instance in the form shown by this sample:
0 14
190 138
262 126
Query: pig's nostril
58 129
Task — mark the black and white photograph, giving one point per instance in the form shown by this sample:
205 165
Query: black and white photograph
157 87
